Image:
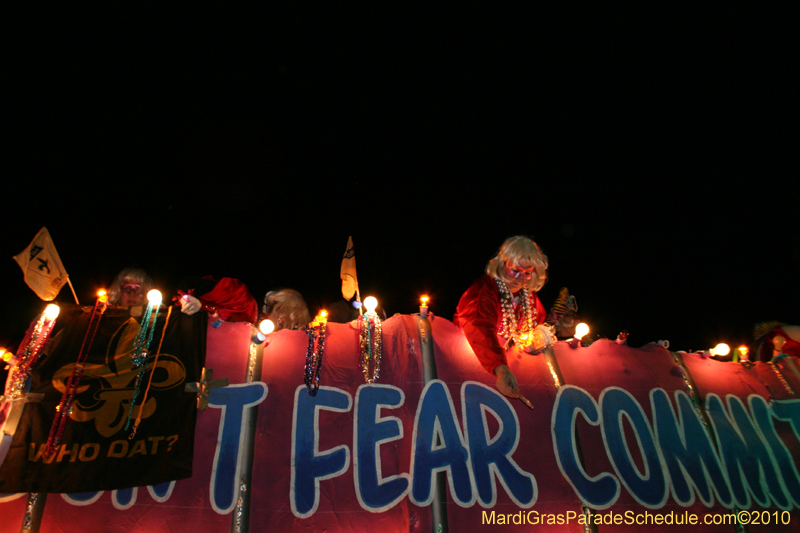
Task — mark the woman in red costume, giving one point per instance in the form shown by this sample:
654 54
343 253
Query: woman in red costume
501 309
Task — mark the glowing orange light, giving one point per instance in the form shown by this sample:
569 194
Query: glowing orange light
743 349
6 356
525 339
321 318
102 295
581 330
424 299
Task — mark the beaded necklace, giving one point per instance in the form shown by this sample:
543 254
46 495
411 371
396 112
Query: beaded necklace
150 380
139 353
64 407
144 336
316 347
370 341
29 356
509 327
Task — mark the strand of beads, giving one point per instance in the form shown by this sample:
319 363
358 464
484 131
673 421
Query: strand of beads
370 341
145 335
509 327
690 390
781 378
150 381
316 348
64 407
27 358
139 353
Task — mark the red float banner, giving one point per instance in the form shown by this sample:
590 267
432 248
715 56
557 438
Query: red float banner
619 437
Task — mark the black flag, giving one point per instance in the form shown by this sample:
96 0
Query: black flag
95 452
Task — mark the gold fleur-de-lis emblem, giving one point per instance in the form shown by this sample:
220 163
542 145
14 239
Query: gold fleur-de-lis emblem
105 391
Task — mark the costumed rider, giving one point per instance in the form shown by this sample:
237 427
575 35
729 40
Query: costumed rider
130 287
501 310
227 299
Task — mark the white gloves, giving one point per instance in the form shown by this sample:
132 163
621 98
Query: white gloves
543 336
189 304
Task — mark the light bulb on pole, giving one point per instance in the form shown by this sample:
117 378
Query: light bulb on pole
51 312
154 297
370 304
265 327
720 349
580 332
743 353
423 305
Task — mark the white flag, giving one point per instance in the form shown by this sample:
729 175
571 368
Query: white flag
42 267
348 271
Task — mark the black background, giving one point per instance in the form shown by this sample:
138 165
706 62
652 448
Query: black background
651 153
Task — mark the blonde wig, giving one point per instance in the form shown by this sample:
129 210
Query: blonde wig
519 251
287 309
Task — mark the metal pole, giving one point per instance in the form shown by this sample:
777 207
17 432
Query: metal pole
439 504
33 512
699 407
694 395
240 522
558 378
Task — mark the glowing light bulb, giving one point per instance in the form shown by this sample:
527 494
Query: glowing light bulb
720 349
154 297
581 330
51 311
102 295
424 299
5 355
266 326
370 304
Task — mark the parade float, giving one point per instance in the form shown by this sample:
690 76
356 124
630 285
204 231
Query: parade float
402 430
146 419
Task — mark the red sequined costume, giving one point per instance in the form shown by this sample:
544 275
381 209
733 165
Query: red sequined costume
479 314
230 297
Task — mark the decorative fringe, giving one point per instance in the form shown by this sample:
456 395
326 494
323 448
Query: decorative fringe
316 332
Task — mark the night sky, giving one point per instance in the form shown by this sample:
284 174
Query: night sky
651 155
